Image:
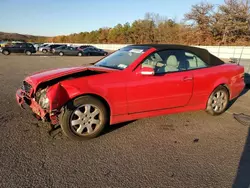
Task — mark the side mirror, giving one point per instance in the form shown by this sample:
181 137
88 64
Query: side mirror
147 71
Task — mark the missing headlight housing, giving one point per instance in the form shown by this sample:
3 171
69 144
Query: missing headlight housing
42 99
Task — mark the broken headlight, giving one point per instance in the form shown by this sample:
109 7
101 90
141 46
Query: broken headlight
42 99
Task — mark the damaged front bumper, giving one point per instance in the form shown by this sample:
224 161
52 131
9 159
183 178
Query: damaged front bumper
24 100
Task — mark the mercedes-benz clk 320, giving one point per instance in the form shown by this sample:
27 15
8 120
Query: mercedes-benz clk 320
134 82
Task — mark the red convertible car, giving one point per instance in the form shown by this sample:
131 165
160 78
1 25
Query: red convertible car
134 82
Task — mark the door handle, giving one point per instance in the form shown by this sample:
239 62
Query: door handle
186 78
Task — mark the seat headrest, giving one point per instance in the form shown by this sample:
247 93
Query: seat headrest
172 61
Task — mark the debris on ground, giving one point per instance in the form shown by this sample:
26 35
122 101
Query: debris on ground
196 140
55 132
242 118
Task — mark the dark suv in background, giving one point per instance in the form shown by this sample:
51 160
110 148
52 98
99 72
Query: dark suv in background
26 48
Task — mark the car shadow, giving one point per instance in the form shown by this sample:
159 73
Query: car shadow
55 130
43 54
242 179
111 128
245 90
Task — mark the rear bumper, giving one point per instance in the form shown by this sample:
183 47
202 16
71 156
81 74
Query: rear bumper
23 100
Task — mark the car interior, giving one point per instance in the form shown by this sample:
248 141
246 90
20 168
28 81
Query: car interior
173 61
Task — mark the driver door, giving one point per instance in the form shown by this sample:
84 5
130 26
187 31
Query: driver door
71 51
169 87
16 48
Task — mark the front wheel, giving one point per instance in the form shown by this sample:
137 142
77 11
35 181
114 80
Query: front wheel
83 118
79 54
218 101
44 51
6 52
61 53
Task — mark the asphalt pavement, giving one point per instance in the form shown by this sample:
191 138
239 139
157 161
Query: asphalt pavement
190 149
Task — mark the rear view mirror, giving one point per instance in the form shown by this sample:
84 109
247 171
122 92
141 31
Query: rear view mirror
147 71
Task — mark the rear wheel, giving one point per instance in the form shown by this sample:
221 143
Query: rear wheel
88 54
61 53
218 101
6 52
84 118
28 52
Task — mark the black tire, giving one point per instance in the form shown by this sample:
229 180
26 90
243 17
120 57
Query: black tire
88 54
5 52
45 51
79 54
105 54
215 105
61 54
28 52
68 115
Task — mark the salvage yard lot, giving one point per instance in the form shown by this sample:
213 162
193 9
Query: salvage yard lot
181 150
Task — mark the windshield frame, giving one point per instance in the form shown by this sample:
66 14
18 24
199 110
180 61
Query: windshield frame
144 49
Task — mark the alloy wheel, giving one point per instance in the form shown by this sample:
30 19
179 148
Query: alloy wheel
85 119
219 101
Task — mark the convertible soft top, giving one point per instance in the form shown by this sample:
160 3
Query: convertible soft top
207 57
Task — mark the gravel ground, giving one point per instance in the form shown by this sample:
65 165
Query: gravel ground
180 150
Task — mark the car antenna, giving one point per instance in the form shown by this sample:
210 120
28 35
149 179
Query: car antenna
240 55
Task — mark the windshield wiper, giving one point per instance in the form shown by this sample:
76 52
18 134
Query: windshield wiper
111 67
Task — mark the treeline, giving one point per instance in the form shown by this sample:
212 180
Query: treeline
205 24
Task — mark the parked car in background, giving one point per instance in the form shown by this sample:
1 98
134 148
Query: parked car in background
5 43
134 82
37 45
93 51
84 46
40 48
67 50
50 47
26 48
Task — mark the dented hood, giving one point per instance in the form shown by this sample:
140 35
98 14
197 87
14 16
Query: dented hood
48 75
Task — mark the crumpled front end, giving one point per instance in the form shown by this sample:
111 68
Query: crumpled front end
38 102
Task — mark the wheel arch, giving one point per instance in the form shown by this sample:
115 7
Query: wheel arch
27 50
214 88
225 86
208 107
6 50
100 98
59 102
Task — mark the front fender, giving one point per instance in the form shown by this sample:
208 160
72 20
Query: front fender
60 93
58 96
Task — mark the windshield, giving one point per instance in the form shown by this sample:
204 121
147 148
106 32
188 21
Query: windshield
122 58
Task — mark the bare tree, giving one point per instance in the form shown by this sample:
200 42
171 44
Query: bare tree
200 17
232 21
